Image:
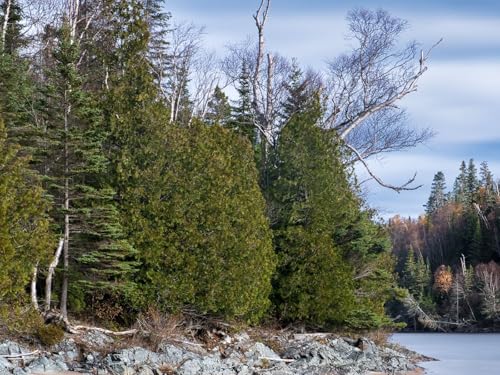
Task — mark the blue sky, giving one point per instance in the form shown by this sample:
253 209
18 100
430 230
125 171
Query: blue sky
459 96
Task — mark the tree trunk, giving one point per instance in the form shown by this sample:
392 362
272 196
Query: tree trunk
34 297
5 24
50 274
64 289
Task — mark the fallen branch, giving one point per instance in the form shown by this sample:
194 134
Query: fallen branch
20 355
286 360
76 329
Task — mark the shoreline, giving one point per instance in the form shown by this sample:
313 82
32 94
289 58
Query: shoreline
244 353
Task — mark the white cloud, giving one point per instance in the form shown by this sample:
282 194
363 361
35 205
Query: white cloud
458 96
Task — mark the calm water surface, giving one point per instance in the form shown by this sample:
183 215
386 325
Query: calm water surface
458 353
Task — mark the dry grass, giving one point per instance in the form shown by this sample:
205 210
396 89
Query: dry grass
157 327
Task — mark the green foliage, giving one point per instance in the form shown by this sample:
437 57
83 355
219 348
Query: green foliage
365 319
201 228
219 110
25 238
78 173
313 207
50 334
242 112
18 320
416 276
437 198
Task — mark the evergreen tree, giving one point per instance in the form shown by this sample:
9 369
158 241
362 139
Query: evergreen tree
97 257
157 20
16 87
297 94
416 276
242 111
14 38
219 110
314 206
25 238
488 191
203 233
437 198
472 183
460 185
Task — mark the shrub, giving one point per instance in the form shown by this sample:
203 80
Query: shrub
50 334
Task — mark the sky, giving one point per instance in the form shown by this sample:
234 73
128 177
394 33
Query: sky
458 97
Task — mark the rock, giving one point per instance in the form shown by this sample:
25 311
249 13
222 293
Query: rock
44 364
5 364
19 371
207 365
67 348
145 370
96 339
259 355
10 347
303 355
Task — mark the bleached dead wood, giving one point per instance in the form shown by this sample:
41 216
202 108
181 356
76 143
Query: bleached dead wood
34 297
20 355
50 274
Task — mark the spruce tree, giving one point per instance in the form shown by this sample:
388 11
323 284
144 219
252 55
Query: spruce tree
16 86
437 198
97 257
242 111
472 183
460 185
297 94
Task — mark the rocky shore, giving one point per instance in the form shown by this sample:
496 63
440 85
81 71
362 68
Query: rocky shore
311 354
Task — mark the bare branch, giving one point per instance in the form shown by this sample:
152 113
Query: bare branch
398 189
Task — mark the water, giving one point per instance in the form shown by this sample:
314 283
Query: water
458 353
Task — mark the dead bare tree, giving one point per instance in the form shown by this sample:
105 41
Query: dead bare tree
206 76
367 84
173 69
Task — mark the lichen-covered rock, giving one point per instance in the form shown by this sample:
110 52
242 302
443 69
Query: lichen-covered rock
238 356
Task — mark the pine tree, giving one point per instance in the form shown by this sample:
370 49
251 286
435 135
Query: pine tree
314 208
488 191
437 198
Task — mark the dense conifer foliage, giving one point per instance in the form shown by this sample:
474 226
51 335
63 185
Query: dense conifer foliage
204 236
24 224
121 142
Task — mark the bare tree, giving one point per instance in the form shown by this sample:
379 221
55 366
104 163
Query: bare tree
173 69
206 76
489 281
366 86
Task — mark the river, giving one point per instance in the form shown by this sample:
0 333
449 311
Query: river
458 353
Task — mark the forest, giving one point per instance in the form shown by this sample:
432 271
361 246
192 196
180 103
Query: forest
140 170
448 258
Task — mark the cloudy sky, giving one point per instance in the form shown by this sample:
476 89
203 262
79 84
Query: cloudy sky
459 96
